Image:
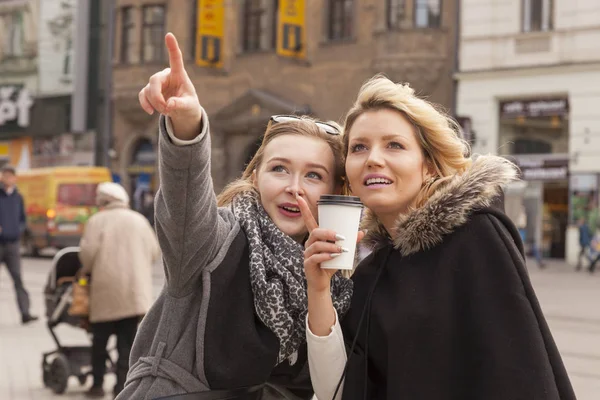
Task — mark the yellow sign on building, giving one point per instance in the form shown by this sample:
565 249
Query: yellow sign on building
291 29
210 33
4 150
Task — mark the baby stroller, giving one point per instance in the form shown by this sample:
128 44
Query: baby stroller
65 361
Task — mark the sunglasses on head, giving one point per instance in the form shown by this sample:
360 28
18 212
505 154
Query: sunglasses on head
332 130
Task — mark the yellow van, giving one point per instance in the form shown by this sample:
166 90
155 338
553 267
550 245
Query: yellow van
58 202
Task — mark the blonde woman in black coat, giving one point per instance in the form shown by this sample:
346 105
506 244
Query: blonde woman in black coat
443 307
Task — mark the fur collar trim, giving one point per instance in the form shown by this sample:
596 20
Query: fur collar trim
448 208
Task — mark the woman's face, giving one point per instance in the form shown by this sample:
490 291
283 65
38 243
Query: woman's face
385 164
294 164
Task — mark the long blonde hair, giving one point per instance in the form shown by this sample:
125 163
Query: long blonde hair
438 134
305 126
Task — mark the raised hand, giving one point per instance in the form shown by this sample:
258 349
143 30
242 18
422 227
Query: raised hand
172 93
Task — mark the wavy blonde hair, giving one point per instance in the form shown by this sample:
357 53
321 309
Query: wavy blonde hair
438 134
305 126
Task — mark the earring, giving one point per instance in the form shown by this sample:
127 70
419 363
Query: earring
428 182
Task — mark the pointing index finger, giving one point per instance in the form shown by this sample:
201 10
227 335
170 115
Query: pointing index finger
309 220
175 56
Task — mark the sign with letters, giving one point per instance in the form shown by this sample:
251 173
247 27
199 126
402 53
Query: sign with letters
210 33
540 169
542 107
291 29
15 106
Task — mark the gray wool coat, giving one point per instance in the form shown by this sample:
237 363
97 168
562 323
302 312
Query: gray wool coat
202 332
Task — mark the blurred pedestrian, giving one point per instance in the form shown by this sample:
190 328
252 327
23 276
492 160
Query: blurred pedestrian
585 238
148 206
537 253
12 225
521 224
118 249
594 251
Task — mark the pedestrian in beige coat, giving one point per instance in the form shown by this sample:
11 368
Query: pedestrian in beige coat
118 249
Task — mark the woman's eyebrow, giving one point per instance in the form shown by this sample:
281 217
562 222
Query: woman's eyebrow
386 137
287 161
393 136
279 159
319 166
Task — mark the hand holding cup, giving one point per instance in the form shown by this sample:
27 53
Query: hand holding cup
319 247
324 245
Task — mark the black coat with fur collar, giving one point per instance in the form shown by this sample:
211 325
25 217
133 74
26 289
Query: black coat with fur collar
453 314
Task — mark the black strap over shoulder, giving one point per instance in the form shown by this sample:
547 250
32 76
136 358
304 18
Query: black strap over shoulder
247 393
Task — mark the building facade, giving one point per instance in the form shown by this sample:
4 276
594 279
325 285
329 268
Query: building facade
244 76
528 86
55 142
37 50
18 79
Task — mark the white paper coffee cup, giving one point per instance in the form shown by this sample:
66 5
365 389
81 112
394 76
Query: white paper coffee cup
342 215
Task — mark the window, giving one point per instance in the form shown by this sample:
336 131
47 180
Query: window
153 32
77 194
127 35
537 15
341 19
260 25
531 146
274 19
428 13
395 11
14 38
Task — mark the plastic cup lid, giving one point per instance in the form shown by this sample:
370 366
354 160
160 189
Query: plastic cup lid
331 199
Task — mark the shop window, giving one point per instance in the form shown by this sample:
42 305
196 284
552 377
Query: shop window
259 25
537 15
144 153
428 13
77 194
153 33
340 19
531 146
584 205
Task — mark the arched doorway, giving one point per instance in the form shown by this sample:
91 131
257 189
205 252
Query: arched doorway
251 150
242 124
141 174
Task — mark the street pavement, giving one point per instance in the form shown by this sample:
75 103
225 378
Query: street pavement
21 347
570 300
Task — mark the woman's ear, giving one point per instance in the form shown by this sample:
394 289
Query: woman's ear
428 169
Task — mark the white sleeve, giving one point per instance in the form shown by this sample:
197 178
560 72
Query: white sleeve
326 361
179 142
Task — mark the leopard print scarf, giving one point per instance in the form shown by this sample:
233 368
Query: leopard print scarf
277 276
